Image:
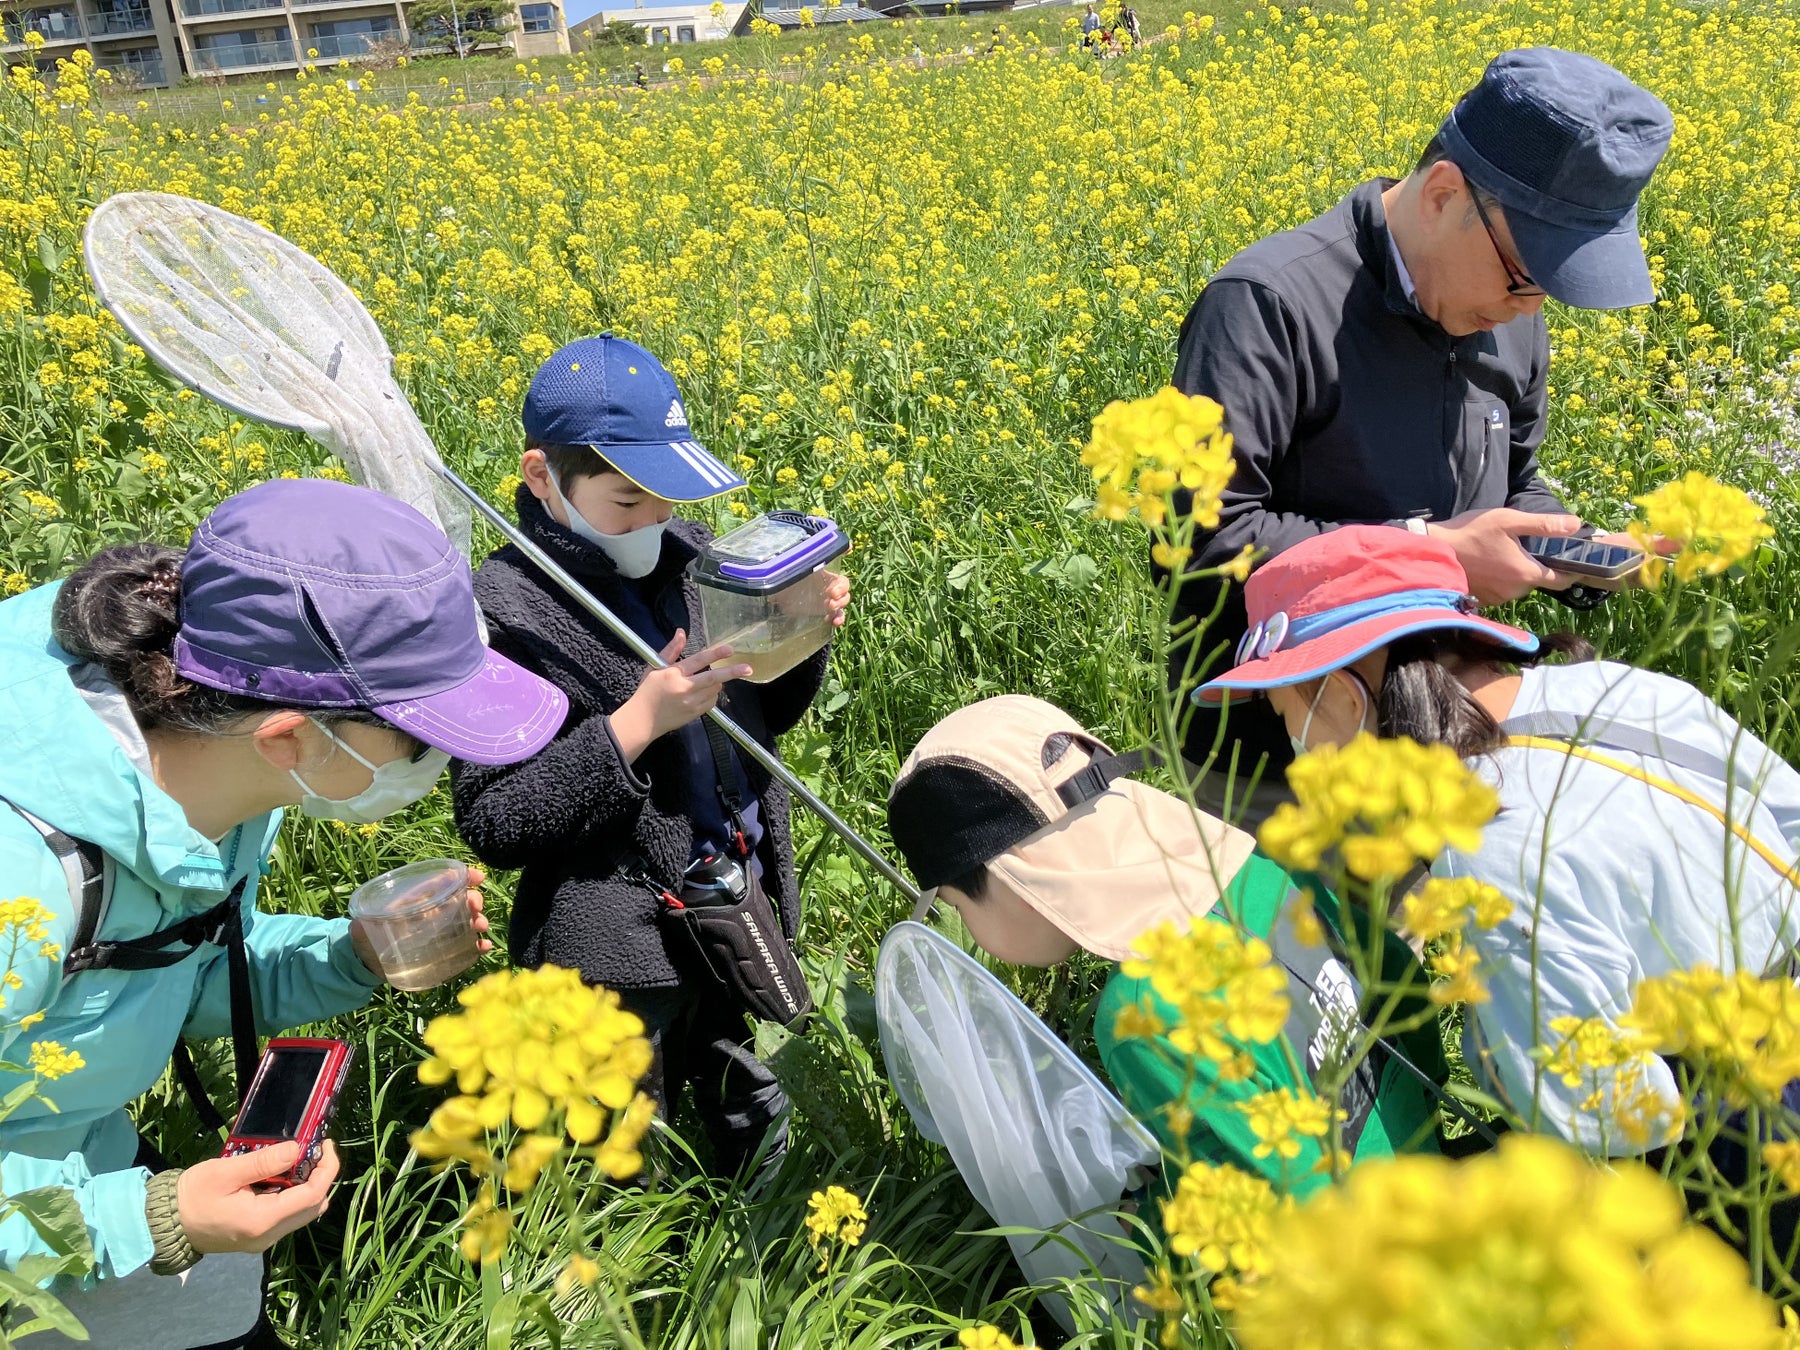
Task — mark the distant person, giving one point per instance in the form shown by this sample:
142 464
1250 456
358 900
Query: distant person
634 791
1012 814
1090 25
1132 26
639 77
1387 363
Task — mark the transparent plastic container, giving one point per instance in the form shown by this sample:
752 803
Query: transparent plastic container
417 919
762 589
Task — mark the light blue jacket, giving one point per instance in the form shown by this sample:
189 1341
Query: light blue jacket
60 761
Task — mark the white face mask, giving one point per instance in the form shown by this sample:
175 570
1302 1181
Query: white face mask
1362 694
397 785
633 553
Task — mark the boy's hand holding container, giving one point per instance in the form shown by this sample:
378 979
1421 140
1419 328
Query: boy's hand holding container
670 698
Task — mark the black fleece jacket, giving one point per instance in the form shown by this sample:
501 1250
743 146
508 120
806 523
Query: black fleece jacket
576 817
1345 405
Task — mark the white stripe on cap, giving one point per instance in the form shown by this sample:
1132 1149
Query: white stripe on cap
703 464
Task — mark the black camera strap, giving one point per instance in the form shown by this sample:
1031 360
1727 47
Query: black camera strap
725 769
85 866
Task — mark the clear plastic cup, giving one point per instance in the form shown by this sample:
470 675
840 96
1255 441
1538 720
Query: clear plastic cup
417 919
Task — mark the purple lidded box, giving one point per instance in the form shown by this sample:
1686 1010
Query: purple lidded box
763 587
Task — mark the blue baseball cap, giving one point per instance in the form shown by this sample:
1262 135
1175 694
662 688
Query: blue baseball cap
614 397
1566 144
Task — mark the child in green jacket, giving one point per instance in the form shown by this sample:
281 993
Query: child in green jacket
1018 818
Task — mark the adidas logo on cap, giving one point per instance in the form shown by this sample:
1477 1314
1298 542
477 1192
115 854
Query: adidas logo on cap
676 417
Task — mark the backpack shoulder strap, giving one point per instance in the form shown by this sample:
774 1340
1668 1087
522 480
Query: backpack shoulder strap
89 874
1610 735
1783 867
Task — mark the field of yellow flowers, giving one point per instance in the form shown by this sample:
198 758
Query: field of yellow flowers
894 292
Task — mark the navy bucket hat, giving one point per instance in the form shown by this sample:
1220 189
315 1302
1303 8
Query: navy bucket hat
1565 143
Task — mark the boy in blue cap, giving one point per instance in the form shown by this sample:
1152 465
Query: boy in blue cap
632 790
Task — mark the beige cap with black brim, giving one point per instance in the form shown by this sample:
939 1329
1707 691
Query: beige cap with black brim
1016 784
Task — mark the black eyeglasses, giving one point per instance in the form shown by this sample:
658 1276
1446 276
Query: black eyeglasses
1518 281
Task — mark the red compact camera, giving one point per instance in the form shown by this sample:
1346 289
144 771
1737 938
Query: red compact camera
293 1096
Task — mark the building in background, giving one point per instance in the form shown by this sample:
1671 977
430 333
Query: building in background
133 39
669 25
155 42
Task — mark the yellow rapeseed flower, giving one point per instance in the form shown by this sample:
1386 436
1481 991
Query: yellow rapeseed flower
1282 1118
1170 438
579 1273
50 1060
1740 1031
1224 985
1387 805
834 1216
1782 1157
1717 527
1446 905
1222 1217
1529 1246
543 1052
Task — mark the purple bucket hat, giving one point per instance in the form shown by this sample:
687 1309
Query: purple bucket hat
318 594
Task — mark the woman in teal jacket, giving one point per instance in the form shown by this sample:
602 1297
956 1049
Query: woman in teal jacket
318 644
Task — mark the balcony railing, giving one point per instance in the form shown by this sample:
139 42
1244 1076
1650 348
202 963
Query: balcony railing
347 44
144 72
121 21
244 55
427 39
196 9
68 29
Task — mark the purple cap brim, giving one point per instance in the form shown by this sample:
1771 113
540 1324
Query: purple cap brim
500 715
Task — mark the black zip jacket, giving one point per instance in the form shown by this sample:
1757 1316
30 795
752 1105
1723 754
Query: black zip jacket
576 815
1346 405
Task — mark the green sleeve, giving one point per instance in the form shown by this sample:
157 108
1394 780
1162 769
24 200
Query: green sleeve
1151 1075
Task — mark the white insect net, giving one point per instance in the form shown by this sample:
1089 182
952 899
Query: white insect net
1041 1142
262 327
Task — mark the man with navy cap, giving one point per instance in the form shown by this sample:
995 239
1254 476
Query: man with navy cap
1386 362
